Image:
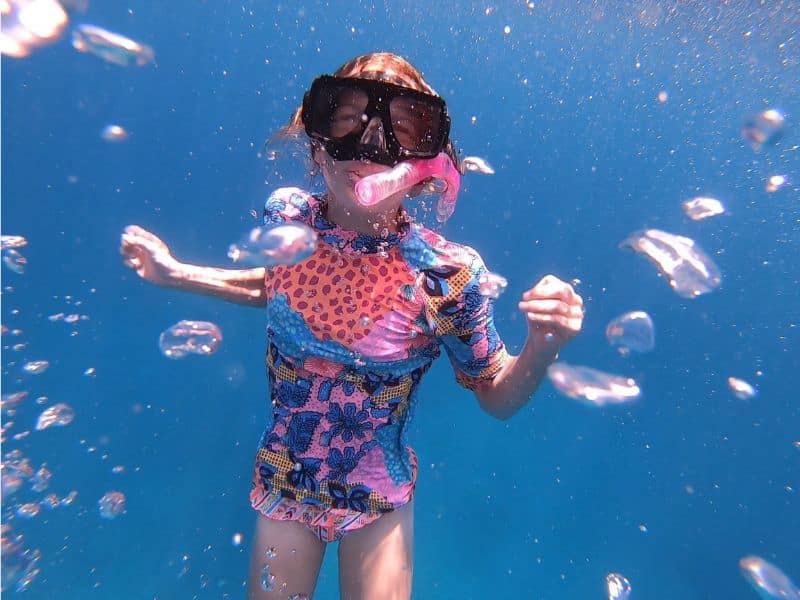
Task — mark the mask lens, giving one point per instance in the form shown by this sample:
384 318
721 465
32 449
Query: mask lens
338 111
416 124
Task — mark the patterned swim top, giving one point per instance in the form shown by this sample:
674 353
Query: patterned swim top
351 331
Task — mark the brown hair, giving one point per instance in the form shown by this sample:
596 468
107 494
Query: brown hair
379 66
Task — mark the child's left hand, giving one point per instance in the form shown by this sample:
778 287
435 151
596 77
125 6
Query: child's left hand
554 312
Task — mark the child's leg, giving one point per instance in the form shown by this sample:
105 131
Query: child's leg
296 562
377 561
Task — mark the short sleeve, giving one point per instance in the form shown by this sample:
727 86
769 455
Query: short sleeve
463 320
288 204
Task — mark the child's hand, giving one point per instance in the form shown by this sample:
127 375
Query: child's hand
554 311
146 254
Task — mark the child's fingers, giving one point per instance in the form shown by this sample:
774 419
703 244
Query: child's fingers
552 287
569 325
548 306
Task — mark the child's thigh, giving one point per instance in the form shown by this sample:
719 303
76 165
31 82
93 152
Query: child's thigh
293 555
377 561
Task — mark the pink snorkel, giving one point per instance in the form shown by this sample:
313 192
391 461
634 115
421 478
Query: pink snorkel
374 188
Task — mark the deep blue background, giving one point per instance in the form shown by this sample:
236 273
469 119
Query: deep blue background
542 506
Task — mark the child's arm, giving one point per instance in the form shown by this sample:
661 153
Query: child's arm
554 313
150 257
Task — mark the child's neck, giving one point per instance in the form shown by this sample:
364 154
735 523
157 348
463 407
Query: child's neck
361 220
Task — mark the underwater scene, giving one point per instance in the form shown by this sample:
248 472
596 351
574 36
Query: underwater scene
645 153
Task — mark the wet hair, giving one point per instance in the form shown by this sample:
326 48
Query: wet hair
379 66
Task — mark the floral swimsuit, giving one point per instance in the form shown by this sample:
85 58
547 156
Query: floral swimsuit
351 330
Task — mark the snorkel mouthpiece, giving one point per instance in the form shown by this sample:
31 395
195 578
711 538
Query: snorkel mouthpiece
374 188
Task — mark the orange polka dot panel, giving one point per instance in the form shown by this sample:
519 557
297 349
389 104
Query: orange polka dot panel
340 295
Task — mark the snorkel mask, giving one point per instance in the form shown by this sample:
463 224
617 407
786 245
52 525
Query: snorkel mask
392 125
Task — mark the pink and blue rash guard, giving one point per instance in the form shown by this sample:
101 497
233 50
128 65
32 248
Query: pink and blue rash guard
351 331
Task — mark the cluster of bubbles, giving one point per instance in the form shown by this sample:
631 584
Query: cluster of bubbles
767 579
25 489
19 563
688 270
31 24
269 582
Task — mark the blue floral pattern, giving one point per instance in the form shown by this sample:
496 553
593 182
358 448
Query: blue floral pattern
348 421
342 463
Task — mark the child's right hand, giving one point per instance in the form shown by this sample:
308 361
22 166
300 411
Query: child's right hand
146 254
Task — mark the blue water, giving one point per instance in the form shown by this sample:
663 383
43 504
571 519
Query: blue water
541 506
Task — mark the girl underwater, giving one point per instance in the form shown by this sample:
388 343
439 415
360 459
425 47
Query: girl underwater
352 329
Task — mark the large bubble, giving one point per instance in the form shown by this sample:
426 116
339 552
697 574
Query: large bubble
285 244
593 386
632 331
688 269
768 580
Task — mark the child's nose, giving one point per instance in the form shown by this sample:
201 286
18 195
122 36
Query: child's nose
373 134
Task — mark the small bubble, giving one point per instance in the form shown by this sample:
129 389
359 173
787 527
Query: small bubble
741 389
703 207
491 284
14 260
57 415
776 182
35 367
267 579
28 510
111 505
618 587
114 133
